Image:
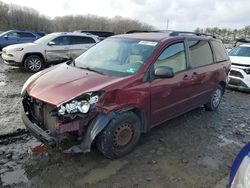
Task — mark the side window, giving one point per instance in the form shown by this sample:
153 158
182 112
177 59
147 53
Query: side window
81 40
26 35
13 35
61 41
220 51
200 53
173 56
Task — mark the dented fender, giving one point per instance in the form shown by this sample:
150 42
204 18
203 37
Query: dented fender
95 127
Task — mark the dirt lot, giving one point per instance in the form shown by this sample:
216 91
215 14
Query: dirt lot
194 150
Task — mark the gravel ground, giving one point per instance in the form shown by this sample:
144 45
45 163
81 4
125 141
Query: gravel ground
193 150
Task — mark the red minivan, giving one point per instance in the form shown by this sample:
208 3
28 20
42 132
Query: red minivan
122 87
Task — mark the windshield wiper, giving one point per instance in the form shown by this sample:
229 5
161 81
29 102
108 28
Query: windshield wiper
90 69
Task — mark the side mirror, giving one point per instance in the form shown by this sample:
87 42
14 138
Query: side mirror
164 72
5 36
51 43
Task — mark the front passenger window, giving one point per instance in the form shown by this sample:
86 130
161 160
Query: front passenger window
173 56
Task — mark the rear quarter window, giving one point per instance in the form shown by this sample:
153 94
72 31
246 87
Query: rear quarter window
200 53
219 51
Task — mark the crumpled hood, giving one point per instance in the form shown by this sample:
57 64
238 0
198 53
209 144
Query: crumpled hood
61 83
240 60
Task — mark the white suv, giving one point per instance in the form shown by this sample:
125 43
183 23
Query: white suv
50 49
239 76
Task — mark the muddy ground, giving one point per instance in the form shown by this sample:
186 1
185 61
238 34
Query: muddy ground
194 150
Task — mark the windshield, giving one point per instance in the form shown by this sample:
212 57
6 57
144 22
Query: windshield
4 33
240 51
116 57
45 39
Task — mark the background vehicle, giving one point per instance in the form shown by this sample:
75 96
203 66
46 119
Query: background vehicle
124 86
241 41
101 34
16 36
50 49
239 76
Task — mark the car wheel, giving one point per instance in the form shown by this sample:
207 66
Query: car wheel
120 136
215 99
33 63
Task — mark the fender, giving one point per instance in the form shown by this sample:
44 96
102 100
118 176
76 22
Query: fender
95 127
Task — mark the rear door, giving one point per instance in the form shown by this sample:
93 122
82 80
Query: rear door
80 44
204 71
170 97
59 51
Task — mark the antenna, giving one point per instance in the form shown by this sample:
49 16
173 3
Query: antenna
167 23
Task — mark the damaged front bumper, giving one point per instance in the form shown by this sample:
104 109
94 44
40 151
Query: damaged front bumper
92 130
36 131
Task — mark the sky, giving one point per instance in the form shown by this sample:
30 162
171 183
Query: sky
179 14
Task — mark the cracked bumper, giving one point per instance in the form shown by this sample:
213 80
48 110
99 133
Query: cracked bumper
39 133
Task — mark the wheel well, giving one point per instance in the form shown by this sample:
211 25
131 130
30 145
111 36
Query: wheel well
223 84
35 53
139 113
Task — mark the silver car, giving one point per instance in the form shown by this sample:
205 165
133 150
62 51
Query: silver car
51 49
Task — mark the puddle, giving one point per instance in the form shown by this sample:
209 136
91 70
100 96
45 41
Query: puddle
14 177
99 174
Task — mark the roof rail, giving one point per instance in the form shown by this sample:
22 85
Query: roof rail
177 33
141 31
173 33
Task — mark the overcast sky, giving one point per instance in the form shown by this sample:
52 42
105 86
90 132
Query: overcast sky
182 14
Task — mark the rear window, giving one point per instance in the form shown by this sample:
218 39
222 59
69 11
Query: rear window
200 53
220 51
81 40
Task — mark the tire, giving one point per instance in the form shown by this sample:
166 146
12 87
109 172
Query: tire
215 99
33 63
120 136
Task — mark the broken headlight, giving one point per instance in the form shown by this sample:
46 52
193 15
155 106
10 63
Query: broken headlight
78 106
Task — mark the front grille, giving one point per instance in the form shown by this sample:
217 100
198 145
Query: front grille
237 82
42 115
236 74
241 65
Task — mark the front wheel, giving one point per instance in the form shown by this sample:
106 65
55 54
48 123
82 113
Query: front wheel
33 63
120 136
215 99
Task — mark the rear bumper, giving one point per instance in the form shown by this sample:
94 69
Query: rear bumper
39 133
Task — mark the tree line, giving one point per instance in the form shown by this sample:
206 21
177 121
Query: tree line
227 34
23 18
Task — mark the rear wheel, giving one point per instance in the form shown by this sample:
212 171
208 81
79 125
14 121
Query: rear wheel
33 63
215 99
120 136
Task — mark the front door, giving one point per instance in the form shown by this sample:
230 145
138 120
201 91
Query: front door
59 51
171 96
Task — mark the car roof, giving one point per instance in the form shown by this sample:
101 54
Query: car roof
158 36
73 33
144 36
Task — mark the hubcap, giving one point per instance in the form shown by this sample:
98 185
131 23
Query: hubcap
123 135
216 98
34 64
